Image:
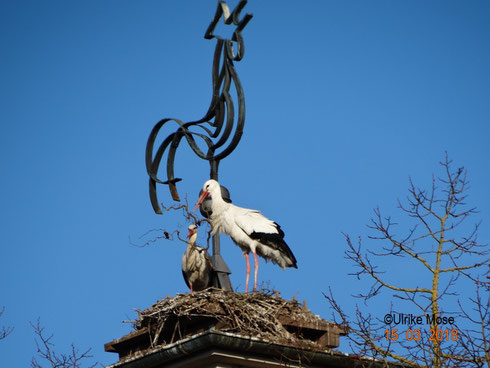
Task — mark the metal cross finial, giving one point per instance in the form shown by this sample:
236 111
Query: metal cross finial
217 129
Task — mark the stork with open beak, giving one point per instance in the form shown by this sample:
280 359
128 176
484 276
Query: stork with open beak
196 264
249 229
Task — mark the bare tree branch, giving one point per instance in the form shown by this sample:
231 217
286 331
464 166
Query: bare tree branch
74 359
436 217
5 331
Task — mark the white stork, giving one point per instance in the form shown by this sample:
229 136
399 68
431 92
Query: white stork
249 229
196 264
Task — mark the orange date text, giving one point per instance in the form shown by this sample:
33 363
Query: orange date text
416 334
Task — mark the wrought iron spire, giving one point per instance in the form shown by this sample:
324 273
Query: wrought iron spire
218 128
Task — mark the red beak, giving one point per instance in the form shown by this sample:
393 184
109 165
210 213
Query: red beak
189 234
202 197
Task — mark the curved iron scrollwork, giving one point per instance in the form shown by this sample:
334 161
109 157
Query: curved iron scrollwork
215 129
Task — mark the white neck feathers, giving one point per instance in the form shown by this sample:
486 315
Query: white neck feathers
192 239
217 202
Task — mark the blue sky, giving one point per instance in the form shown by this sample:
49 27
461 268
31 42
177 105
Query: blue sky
345 100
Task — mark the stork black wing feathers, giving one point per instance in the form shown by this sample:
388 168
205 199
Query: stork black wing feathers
185 279
275 241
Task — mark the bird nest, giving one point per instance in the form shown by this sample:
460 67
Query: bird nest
263 315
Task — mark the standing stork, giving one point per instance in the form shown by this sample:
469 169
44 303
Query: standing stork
196 264
249 229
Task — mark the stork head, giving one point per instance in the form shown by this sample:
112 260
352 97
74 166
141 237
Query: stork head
192 230
209 187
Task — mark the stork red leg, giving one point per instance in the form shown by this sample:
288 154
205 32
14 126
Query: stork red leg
191 288
256 270
248 271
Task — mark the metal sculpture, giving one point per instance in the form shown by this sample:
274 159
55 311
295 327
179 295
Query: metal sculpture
215 129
